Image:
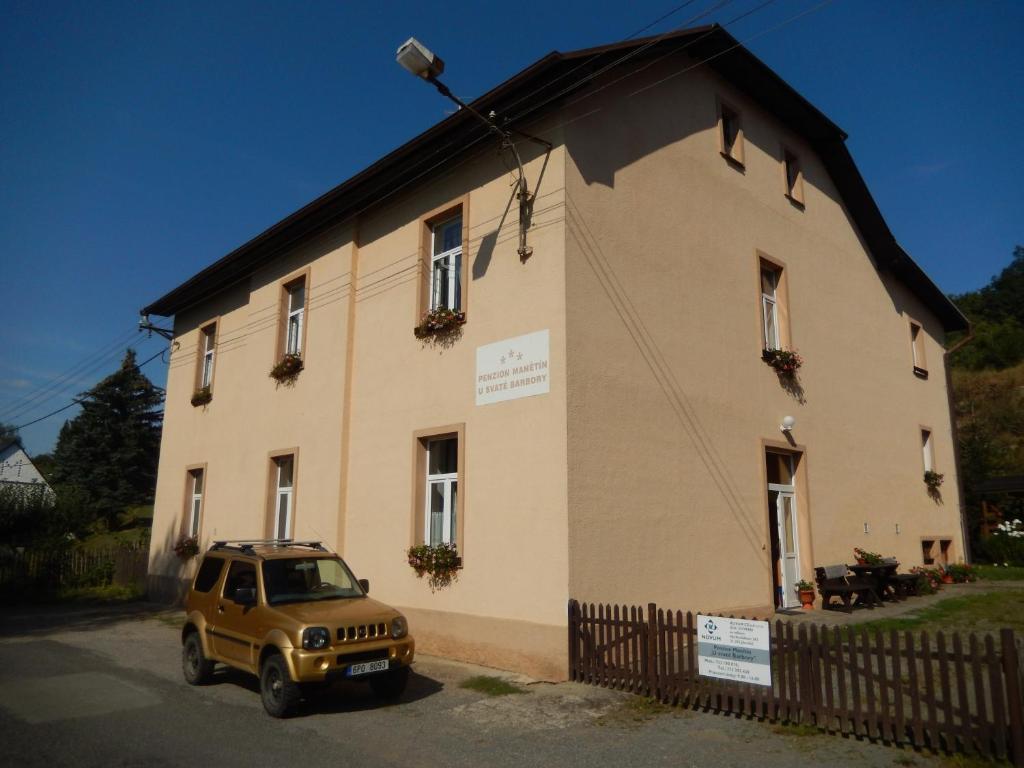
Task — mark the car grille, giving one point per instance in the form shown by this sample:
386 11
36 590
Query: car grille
374 655
358 632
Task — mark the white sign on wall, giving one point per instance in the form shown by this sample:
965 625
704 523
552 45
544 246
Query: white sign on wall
513 368
734 649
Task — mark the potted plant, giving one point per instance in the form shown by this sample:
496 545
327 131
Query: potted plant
785 361
201 396
806 592
186 548
287 369
864 557
439 323
961 573
933 480
440 561
945 575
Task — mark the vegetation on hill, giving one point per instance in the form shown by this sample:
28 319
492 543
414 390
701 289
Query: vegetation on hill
103 470
988 390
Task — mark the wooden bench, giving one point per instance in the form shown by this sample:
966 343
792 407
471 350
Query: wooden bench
904 584
835 581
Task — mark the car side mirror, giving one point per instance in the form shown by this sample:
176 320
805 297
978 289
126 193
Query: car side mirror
365 584
245 596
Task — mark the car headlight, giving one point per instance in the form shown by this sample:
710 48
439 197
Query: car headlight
399 627
315 638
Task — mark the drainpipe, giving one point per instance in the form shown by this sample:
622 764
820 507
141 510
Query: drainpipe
956 441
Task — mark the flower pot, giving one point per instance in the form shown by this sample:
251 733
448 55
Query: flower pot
947 578
861 561
807 599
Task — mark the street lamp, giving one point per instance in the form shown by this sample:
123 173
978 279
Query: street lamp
417 59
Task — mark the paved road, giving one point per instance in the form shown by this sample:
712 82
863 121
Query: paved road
104 688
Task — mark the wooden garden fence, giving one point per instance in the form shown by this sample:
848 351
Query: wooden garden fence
941 691
57 569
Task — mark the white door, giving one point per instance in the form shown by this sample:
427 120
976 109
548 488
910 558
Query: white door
789 545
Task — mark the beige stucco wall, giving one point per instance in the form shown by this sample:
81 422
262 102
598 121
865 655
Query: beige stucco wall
669 401
515 528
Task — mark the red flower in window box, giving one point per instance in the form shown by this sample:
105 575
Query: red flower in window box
287 369
439 322
785 361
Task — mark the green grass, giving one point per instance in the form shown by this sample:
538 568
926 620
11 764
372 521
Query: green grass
801 730
130 537
1000 573
491 686
635 710
111 593
984 612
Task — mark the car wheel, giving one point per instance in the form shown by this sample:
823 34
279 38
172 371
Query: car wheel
280 693
194 664
390 685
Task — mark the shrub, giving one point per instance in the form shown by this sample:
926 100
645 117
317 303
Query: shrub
440 561
1006 544
961 573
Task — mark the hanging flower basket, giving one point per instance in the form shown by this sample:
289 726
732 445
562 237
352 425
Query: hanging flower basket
785 361
441 562
201 396
186 548
437 323
286 371
933 480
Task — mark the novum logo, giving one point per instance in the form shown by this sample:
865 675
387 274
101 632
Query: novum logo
710 626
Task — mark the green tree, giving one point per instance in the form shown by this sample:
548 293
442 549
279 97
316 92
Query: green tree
109 451
996 313
7 431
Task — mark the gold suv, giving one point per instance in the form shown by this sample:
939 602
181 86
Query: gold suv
293 614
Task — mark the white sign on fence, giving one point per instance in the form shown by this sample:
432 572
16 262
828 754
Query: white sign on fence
513 368
734 649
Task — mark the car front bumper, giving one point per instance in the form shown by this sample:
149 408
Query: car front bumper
333 662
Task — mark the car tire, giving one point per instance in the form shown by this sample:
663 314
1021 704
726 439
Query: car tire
390 685
279 692
194 665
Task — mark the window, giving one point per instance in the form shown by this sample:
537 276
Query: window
295 307
195 501
794 177
770 307
207 341
930 557
283 497
917 349
208 574
442 490
927 452
927 557
439 486
307 579
446 264
730 134
241 575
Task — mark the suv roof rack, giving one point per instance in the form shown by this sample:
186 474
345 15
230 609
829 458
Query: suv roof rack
246 546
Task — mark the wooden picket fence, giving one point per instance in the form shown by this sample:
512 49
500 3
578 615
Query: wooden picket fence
944 692
57 569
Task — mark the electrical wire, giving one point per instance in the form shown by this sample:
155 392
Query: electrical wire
73 403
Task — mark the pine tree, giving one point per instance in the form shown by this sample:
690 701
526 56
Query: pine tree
110 450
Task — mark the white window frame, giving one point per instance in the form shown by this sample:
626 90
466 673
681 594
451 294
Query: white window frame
927 454
915 333
446 481
770 308
452 267
209 334
287 493
195 507
295 318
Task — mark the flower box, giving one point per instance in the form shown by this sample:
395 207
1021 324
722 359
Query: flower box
287 369
786 362
201 396
439 323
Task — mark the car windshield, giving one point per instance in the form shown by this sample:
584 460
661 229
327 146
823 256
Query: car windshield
304 579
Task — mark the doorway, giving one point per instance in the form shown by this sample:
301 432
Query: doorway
783 527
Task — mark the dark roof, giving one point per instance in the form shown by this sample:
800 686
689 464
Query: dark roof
542 80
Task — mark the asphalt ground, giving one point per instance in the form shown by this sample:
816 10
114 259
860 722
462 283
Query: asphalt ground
103 687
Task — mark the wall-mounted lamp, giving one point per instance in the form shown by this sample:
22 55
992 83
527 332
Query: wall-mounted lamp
897 529
867 528
788 422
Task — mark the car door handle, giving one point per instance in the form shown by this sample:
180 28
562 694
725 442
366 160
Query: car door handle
220 608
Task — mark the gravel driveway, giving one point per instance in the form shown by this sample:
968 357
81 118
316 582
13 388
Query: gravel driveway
103 686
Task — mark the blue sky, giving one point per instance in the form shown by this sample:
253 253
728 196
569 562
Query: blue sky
139 142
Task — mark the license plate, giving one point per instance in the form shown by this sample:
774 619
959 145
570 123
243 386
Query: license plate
367 668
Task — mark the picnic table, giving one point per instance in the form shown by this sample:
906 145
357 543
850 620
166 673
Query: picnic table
879 575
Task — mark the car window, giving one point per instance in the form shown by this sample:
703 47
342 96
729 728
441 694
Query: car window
303 579
208 574
241 574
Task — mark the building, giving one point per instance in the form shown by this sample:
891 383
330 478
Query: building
602 426
17 469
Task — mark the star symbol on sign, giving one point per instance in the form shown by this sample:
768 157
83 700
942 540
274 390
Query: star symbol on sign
519 356
511 353
502 359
